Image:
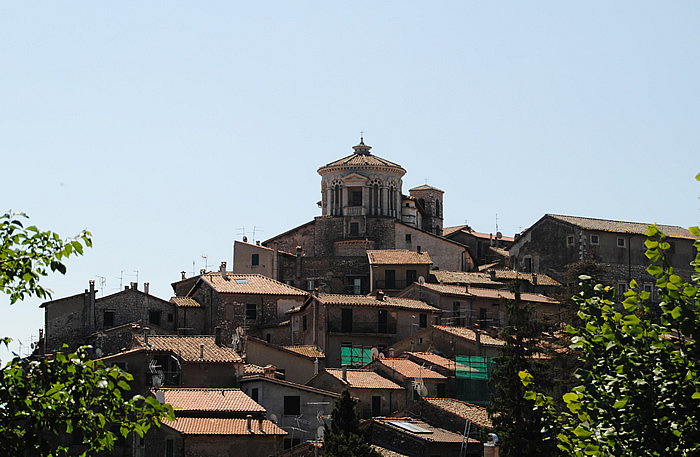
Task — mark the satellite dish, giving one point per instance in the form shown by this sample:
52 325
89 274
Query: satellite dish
374 353
421 280
499 235
423 391
381 355
160 396
273 418
319 431
98 352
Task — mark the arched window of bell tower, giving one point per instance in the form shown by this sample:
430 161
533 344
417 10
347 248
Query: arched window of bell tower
336 199
375 197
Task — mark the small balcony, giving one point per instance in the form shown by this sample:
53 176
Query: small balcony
354 211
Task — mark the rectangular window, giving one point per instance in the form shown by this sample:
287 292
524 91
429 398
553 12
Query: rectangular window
251 311
154 317
528 264
108 318
411 277
303 322
376 405
570 240
355 356
169 448
346 320
254 394
423 320
171 317
621 242
382 321
357 286
621 289
292 405
310 284
408 237
354 228
255 260
595 240
390 279
356 198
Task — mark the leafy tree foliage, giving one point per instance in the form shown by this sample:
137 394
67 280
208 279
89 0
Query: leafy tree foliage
43 400
514 421
27 254
345 437
639 391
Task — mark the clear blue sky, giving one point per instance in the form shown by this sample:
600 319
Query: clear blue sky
166 128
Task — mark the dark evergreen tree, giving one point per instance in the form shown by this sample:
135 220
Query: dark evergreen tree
517 425
345 437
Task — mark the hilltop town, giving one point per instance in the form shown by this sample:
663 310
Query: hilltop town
375 295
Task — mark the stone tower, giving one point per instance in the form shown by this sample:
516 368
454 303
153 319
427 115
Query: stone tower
430 202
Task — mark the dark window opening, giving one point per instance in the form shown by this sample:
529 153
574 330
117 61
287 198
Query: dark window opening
268 337
251 311
154 317
528 265
171 317
356 198
255 260
408 237
303 323
441 390
383 321
292 405
254 394
169 448
346 320
390 279
411 277
108 318
423 320
376 405
354 228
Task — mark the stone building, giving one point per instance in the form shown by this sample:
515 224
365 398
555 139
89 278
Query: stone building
83 318
555 241
483 246
362 208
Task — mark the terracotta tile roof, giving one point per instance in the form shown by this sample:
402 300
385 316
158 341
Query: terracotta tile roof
468 334
398 257
215 426
638 228
308 351
372 301
363 379
487 293
449 230
387 453
361 160
249 369
475 414
210 399
409 369
500 251
249 284
463 277
434 360
510 275
188 348
423 430
185 302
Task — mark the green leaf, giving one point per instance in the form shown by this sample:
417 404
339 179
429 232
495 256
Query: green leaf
630 303
582 432
655 270
620 403
591 450
630 319
695 230
676 312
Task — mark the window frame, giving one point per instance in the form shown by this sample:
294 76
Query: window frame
291 405
251 311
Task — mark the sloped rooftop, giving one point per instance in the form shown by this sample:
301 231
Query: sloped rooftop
473 413
251 284
488 293
185 302
188 348
210 399
433 360
363 379
372 301
469 334
398 257
409 369
215 426
638 228
420 430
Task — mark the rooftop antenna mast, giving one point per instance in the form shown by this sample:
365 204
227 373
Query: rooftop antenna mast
259 229
496 222
103 284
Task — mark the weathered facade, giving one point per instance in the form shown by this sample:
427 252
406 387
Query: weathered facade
393 270
555 241
450 342
298 363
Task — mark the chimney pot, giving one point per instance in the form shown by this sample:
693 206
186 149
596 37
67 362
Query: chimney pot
418 250
201 350
146 286
249 420
260 426
380 295
135 286
345 374
183 275
222 268
202 271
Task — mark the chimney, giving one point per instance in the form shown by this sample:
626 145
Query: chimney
345 374
126 287
391 353
201 350
380 295
297 278
493 274
269 371
257 242
145 287
315 366
145 336
245 239
135 286
202 271
534 279
222 269
217 337
466 288
260 426
478 342
41 334
249 424
418 250
183 275
491 239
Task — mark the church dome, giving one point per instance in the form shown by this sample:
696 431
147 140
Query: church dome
362 158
